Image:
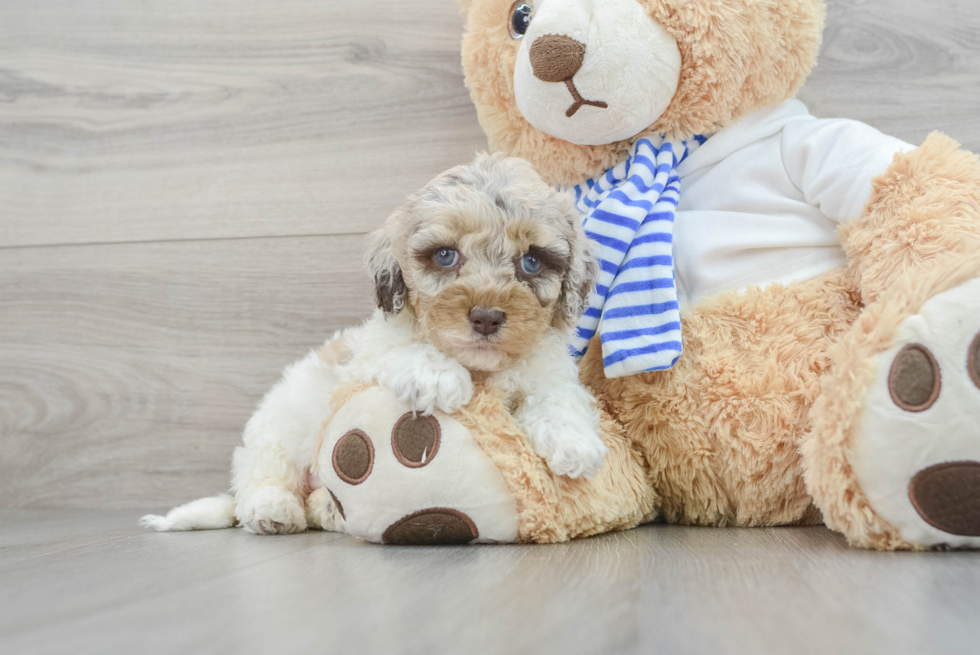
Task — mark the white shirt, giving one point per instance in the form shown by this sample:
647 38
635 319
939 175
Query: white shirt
762 199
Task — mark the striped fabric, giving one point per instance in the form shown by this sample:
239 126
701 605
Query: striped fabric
629 214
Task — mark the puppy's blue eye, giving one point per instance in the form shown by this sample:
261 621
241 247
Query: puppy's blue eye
446 257
520 19
531 265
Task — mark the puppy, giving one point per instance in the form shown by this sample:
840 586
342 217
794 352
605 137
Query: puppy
481 274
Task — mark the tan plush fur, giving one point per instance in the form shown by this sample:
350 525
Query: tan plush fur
755 423
921 209
768 371
837 413
920 237
556 508
721 430
737 56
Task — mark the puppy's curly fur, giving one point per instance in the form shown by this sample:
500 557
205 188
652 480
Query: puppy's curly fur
487 237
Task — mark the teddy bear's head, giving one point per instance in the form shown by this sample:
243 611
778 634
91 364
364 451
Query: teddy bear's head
569 84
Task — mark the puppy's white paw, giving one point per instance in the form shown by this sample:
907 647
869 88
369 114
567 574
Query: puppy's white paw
272 510
570 449
323 511
428 381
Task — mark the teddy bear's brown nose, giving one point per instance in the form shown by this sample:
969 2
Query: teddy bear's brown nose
947 496
556 58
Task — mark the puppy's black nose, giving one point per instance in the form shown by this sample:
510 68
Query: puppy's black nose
486 321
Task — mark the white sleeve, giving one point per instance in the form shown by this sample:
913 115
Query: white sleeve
833 162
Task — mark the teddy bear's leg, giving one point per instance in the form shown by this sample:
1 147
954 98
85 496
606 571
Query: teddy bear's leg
893 457
395 477
720 432
893 460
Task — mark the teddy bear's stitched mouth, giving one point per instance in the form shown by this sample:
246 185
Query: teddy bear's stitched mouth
579 100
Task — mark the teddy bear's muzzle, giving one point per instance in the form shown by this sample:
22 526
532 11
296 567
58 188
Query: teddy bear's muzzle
595 73
947 497
557 58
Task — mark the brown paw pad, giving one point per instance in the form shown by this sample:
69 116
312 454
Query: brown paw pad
430 527
353 457
947 497
415 439
915 380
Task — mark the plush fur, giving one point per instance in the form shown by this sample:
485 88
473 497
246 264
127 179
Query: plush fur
721 431
760 421
922 209
920 237
558 508
837 415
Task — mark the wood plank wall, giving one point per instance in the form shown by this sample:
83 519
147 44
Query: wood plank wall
184 186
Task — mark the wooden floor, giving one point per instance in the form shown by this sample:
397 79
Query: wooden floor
184 186
92 582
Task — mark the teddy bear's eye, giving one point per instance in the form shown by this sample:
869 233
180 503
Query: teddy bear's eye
520 19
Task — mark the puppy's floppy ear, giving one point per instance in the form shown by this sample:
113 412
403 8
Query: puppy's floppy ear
580 277
389 283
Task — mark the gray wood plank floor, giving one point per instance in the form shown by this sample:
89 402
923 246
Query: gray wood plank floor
92 582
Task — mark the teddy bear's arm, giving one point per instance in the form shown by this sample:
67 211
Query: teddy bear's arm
832 162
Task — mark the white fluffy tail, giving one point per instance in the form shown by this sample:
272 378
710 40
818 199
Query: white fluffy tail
203 514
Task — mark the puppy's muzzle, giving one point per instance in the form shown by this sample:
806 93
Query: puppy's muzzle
486 321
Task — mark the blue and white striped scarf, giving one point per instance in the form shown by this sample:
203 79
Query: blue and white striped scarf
629 214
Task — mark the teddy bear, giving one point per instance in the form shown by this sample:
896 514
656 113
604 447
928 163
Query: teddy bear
787 326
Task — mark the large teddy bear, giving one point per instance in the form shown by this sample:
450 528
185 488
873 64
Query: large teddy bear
814 354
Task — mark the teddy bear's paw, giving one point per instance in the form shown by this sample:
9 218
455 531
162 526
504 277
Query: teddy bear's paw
271 510
432 382
398 477
917 454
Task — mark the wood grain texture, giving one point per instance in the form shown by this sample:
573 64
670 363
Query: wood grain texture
85 582
135 121
129 370
906 67
182 185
